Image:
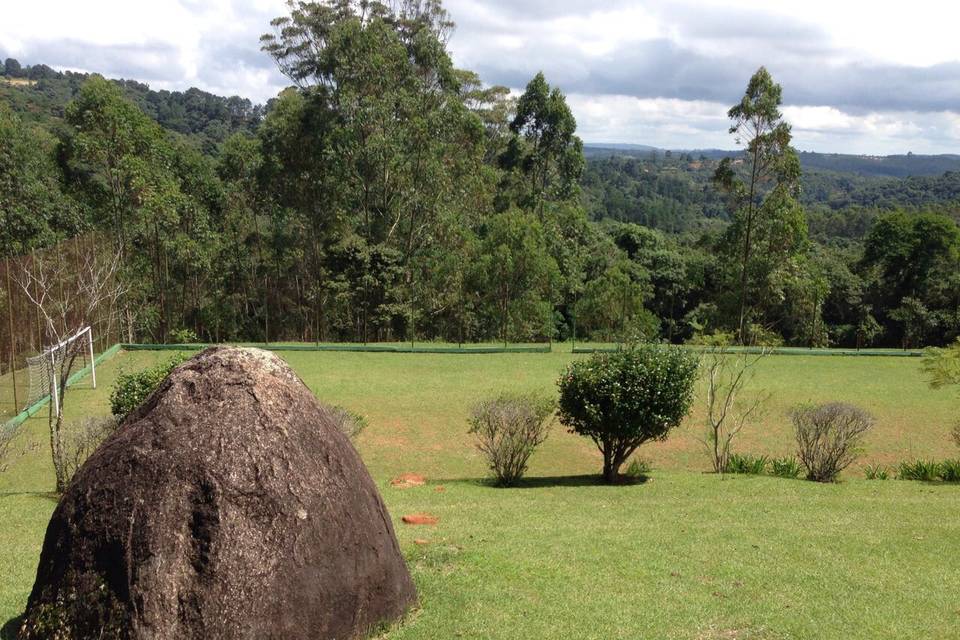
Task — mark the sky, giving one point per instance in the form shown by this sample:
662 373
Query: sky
858 77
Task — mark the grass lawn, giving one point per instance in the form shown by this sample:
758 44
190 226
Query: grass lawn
685 555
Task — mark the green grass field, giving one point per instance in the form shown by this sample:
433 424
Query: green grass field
687 555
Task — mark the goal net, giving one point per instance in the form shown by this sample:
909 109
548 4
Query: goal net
62 360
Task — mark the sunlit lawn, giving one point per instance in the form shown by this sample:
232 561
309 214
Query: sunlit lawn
686 555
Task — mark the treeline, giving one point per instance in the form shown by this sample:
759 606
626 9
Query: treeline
878 264
389 195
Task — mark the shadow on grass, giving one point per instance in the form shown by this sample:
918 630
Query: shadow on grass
11 628
546 482
46 495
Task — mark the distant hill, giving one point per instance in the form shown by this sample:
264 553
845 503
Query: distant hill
40 94
901 166
897 166
608 150
673 191
613 148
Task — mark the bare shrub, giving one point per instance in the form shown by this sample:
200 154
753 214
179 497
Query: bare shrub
955 434
7 435
67 296
349 423
828 437
81 438
728 374
509 427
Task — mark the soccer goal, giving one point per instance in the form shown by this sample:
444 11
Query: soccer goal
62 360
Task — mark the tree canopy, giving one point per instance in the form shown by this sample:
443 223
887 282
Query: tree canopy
388 195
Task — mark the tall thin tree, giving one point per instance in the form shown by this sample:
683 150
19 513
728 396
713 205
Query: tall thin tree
767 178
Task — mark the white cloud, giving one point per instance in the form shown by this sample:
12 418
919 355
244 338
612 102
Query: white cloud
829 129
819 119
655 121
918 33
865 77
173 44
860 77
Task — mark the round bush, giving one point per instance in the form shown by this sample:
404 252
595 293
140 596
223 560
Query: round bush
622 400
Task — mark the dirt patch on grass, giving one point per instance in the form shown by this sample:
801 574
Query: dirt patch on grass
745 633
408 481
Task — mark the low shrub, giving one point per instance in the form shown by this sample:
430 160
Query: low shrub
509 428
7 435
787 467
829 437
131 389
183 336
919 470
929 471
638 469
349 423
747 464
950 471
876 472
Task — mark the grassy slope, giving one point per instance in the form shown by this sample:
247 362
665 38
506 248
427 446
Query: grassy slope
687 555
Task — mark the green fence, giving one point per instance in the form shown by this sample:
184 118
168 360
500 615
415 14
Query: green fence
551 348
787 351
353 348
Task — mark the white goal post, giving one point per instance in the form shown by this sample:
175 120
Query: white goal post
48 366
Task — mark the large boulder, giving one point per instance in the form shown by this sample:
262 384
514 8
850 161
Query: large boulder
227 506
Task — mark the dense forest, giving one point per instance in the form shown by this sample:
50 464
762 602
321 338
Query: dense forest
389 195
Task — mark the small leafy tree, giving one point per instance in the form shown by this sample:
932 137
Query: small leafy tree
868 330
942 366
509 428
828 437
622 400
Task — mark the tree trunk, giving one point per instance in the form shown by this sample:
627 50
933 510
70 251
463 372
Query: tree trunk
59 465
747 248
611 467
